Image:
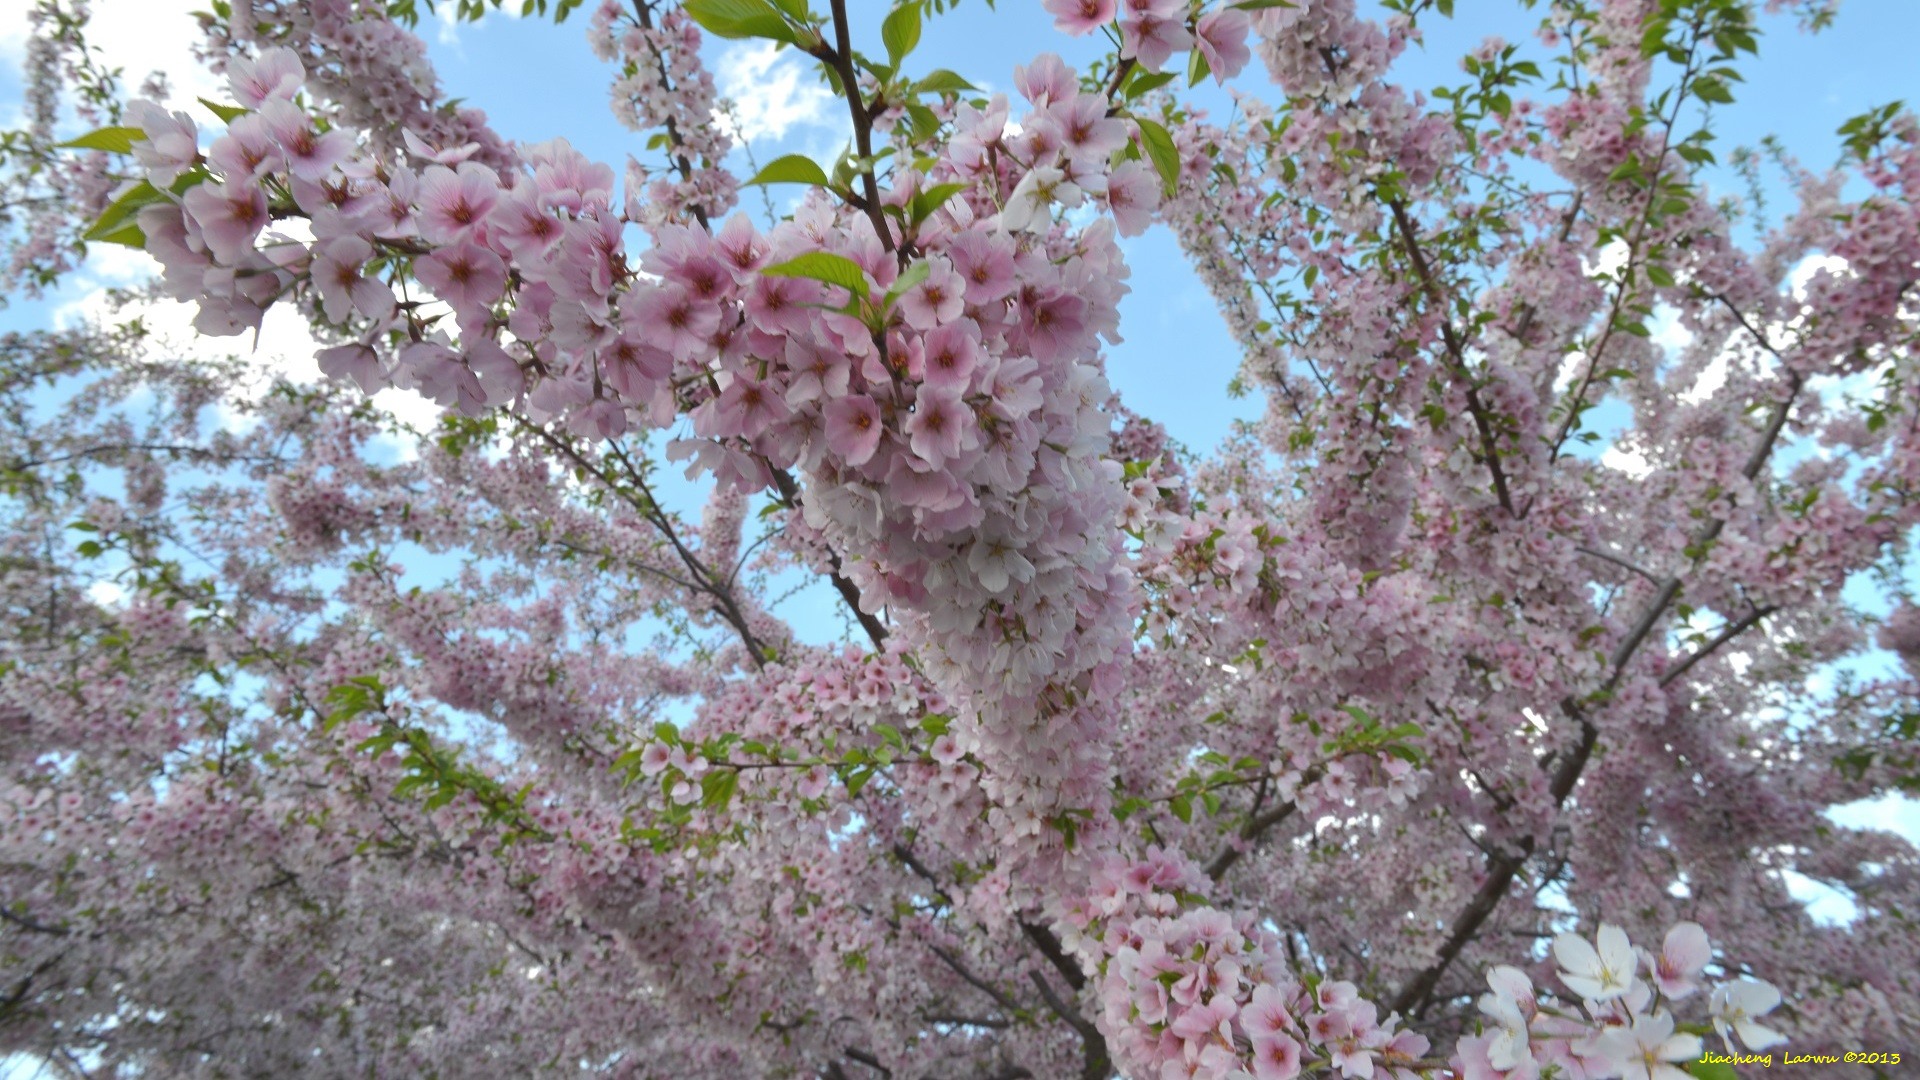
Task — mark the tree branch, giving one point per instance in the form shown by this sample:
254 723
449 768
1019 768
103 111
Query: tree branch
840 58
1049 946
999 996
1617 561
877 633
1727 633
854 1053
1503 868
1456 351
1097 1066
643 14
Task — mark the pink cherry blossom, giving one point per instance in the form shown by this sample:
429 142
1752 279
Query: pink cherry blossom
466 276
229 217
937 300
853 428
1222 39
1682 959
453 205
1078 17
942 427
276 75
343 288
171 144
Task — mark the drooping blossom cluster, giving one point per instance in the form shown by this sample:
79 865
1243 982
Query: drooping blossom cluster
664 88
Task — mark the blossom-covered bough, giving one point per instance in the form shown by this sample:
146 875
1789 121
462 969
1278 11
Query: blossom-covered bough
1408 735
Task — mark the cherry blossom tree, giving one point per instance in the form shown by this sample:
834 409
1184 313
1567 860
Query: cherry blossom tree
1469 714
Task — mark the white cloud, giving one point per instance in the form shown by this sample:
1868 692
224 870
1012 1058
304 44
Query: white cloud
1894 813
13 29
1609 261
283 349
1571 365
1804 272
137 36
773 92
1632 462
144 36
107 593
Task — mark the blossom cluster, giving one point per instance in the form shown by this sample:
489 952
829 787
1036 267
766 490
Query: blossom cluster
1623 1023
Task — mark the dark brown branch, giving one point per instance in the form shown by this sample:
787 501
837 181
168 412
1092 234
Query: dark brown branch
840 58
999 996
1566 230
907 859
877 633
1727 633
1254 828
1097 1065
854 1053
967 1021
1050 947
37 927
1098 1061
1456 351
1502 868
1120 72
703 579
1617 561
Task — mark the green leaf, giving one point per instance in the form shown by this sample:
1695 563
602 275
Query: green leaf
824 266
1146 82
1710 1070
942 81
1159 147
1182 807
1714 90
128 235
926 201
116 221
925 123
1258 5
741 19
1660 275
1197 68
227 113
717 788
901 32
791 169
914 274
114 140
857 779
